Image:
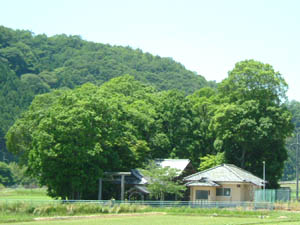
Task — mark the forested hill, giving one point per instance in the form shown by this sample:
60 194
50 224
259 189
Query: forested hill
34 64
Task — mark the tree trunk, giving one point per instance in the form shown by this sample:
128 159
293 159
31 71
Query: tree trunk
162 197
243 159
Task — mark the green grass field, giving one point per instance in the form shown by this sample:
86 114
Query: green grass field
15 212
24 194
166 220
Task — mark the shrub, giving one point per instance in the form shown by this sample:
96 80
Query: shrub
6 177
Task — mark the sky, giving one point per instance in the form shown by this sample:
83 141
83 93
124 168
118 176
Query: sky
206 36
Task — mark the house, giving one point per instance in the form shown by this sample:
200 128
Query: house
225 182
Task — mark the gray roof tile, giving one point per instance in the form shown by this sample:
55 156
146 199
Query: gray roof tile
226 173
204 182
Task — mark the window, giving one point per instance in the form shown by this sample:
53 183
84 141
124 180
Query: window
220 191
227 191
223 191
202 194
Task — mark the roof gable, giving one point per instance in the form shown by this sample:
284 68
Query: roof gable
226 173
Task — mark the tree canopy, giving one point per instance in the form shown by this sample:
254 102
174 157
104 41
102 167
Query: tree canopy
68 138
70 112
290 164
36 64
81 133
252 123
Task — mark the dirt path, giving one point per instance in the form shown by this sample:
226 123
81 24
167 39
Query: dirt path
98 216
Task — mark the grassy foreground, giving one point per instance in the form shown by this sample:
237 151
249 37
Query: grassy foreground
16 207
166 220
20 213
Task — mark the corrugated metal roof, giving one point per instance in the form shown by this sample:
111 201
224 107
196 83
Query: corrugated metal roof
226 173
179 164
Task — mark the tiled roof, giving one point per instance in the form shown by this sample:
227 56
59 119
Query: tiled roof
226 173
204 182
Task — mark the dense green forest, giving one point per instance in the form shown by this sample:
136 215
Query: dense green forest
68 138
68 109
36 64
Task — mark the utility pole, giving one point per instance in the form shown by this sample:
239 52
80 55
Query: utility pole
297 167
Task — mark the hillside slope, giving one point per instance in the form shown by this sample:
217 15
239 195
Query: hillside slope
35 64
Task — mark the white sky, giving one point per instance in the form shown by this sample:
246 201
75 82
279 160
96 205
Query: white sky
206 36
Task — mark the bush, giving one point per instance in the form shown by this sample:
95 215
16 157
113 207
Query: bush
6 177
85 208
20 176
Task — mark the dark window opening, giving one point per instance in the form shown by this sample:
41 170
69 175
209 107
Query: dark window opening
202 194
223 192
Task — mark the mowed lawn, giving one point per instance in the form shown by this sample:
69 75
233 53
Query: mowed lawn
166 220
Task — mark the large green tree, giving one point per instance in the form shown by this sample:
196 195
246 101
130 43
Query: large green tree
69 138
35 64
252 123
173 125
203 104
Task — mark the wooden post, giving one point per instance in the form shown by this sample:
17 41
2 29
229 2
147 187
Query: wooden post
100 189
122 187
122 174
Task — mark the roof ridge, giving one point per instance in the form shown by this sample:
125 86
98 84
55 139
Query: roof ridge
246 171
196 174
228 167
240 174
